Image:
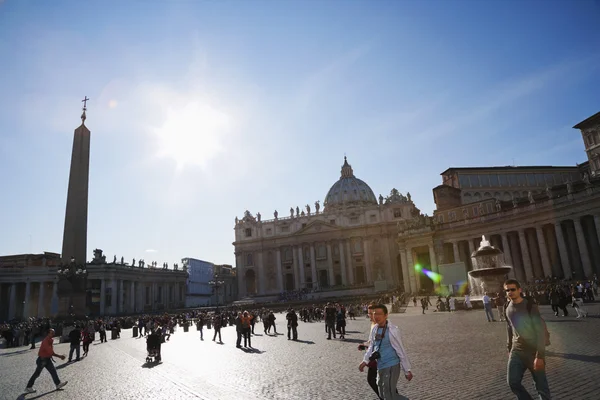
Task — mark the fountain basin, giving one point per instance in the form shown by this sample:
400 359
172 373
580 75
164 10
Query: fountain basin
488 272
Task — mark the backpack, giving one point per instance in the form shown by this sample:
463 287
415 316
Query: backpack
529 307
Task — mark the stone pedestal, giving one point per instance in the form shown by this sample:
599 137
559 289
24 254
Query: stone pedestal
381 286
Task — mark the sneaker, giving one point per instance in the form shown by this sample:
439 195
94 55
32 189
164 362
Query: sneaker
61 385
30 390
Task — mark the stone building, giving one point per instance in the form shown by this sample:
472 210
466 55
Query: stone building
351 243
548 224
29 287
546 220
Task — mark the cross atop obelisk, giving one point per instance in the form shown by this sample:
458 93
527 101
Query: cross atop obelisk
84 101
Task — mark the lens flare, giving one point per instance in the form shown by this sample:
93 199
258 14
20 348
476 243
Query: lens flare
434 276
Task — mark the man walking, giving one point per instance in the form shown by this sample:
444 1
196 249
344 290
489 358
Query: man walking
44 360
292 324
238 330
385 347
526 343
487 306
75 340
330 320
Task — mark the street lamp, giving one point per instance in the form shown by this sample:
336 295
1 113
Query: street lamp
216 284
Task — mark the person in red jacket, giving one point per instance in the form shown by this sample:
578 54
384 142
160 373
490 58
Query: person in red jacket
44 360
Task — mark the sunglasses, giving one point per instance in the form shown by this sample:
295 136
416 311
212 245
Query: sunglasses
512 289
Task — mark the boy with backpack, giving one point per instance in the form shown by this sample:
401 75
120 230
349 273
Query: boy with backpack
527 340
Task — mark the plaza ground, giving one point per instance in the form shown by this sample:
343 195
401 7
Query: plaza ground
454 356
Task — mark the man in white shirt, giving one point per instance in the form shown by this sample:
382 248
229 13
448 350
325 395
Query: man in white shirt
487 306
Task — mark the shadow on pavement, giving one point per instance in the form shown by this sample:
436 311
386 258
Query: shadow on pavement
353 340
562 320
22 396
251 350
303 341
578 357
16 352
151 364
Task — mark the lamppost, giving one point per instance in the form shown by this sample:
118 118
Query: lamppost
216 285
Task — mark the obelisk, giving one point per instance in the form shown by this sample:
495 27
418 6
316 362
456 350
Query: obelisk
75 233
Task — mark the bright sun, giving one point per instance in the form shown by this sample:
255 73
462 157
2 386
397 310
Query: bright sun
193 134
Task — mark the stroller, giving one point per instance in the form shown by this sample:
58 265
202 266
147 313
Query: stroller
153 346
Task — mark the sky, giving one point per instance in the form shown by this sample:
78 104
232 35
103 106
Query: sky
200 110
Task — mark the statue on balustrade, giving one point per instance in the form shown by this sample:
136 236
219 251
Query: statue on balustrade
317 206
297 211
380 199
133 263
176 267
308 209
115 259
292 212
275 214
122 260
498 205
258 216
237 220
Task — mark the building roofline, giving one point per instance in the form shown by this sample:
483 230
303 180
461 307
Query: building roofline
509 167
588 121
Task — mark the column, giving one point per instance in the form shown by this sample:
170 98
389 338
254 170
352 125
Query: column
583 250
102 295
54 303
405 273
342 263
349 265
154 294
506 247
414 288
41 309
302 266
240 275
526 259
121 296
562 249
12 302
433 263
455 250
389 275
279 271
597 224
543 252
27 299
296 267
367 261
330 265
471 250
132 297
261 273
313 266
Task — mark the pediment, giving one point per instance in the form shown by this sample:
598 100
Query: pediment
317 227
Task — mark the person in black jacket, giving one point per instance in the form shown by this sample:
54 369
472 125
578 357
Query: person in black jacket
75 339
292 324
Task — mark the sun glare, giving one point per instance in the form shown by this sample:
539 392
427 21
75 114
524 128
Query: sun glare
193 134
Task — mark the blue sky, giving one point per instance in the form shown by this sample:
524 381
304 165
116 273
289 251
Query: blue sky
201 110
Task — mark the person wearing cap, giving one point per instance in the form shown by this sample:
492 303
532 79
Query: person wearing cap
44 360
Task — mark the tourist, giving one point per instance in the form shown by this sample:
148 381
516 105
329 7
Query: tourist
385 346
246 322
44 360
371 365
330 318
468 305
341 323
500 301
75 340
87 339
200 325
272 319
526 343
578 304
292 324
423 304
452 303
487 306
217 326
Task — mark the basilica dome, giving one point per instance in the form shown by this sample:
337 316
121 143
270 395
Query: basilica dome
349 190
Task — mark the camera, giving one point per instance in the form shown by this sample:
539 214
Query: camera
362 347
375 356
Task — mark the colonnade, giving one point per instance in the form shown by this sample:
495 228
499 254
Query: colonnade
28 299
129 296
298 266
566 248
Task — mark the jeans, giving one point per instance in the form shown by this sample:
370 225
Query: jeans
488 312
41 364
238 342
387 380
372 380
331 329
518 362
73 348
246 334
292 332
217 331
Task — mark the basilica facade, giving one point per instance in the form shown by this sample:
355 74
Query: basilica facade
545 219
350 243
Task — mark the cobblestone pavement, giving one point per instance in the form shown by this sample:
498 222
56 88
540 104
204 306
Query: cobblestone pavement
454 356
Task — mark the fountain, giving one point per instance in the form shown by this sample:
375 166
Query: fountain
487 276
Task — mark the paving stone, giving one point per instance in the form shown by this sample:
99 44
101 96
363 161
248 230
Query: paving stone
454 356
